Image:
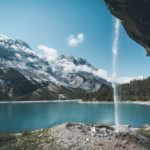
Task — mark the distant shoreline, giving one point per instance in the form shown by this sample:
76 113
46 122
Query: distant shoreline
124 102
37 101
111 102
77 100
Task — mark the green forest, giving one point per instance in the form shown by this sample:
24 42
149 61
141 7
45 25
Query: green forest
136 90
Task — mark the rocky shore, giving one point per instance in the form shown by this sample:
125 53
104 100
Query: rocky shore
75 136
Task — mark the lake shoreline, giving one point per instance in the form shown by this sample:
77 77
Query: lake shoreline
37 101
77 100
121 102
78 136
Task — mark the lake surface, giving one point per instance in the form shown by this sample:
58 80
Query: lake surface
15 117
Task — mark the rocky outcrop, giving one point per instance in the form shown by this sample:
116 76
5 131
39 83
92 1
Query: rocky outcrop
135 17
75 136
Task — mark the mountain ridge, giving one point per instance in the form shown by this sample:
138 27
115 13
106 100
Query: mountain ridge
66 77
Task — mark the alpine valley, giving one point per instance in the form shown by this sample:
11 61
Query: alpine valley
26 75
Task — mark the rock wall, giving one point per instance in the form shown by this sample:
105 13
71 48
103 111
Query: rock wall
135 17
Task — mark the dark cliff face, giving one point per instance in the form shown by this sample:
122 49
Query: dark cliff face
135 17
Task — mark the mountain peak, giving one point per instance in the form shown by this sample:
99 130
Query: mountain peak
10 44
66 75
4 37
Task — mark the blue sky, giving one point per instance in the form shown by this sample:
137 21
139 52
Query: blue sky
52 22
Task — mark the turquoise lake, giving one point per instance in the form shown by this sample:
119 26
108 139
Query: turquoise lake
16 117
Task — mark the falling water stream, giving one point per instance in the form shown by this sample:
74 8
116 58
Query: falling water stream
114 70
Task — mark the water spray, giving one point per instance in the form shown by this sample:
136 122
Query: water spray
114 70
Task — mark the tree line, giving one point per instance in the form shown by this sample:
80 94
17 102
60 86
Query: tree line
135 90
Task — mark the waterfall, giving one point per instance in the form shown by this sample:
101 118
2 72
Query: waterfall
114 71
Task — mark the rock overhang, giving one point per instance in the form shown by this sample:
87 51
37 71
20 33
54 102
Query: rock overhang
135 18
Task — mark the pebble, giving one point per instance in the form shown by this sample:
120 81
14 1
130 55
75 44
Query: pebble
87 139
124 142
105 135
41 135
93 129
92 134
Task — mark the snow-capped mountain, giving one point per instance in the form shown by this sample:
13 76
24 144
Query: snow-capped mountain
64 77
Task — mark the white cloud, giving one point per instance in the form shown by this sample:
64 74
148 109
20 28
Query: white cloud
49 53
75 40
103 74
100 73
70 67
125 79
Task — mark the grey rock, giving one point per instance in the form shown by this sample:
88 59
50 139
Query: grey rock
134 16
